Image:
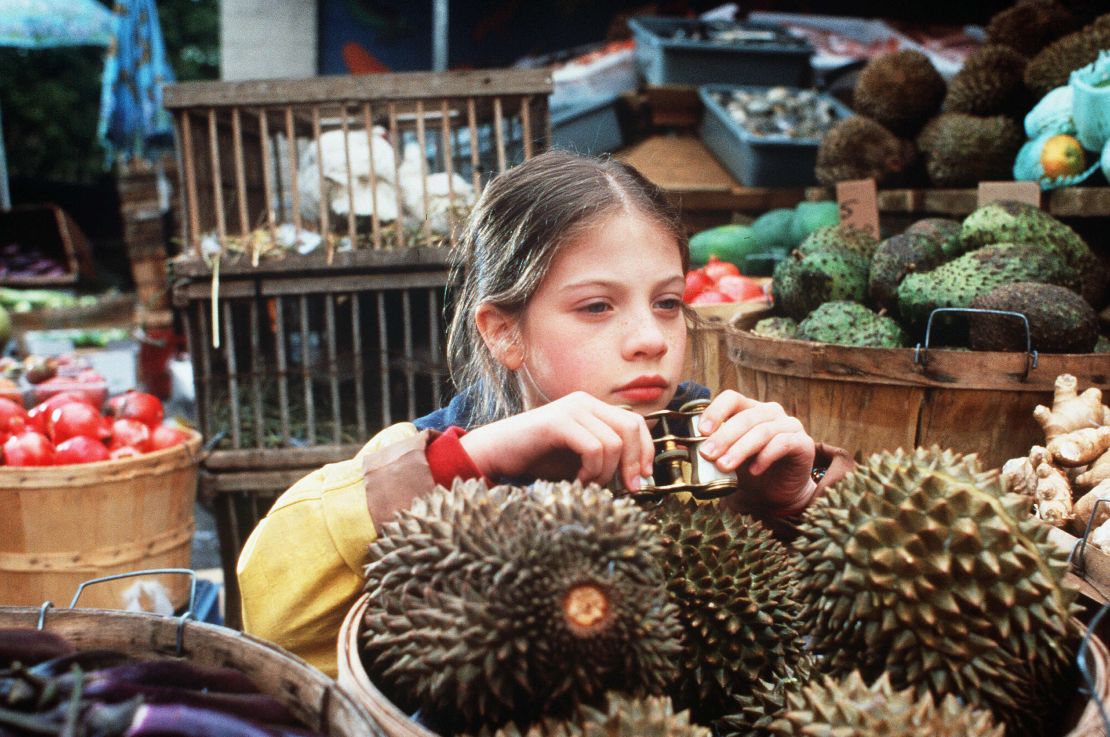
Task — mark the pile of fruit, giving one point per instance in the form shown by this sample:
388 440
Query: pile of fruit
718 282
558 609
842 286
72 427
49 687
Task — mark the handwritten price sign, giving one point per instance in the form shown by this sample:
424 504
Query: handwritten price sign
859 204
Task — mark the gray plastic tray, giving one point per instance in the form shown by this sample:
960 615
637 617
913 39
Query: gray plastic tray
590 127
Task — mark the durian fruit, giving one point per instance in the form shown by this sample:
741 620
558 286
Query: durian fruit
945 231
754 712
860 148
991 82
1051 67
622 716
491 605
1060 321
962 150
1029 25
733 584
850 708
776 327
803 282
894 258
841 236
919 565
899 90
850 323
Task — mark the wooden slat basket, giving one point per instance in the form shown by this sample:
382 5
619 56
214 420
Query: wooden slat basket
310 696
62 525
870 399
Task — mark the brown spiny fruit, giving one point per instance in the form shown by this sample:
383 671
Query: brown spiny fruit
860 148
899 90
491 605
895 257
962 150
1029 25
1059 320
733 584
991 82
850 708
1052 66
918 565
622 716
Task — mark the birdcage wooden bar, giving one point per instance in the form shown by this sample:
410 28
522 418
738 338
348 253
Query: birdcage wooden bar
318 222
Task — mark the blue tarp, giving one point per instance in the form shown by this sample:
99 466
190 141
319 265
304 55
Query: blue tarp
133 123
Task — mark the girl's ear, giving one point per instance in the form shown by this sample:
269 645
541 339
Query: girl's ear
499 332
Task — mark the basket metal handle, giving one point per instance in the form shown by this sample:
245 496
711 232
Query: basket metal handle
920 351
188 614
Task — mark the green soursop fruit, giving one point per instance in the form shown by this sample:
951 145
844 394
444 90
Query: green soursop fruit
622 716
1018 222
919 565
512 604
777 327
842 237
802 283
850 708
895 257
733 584
1060 321
850 323
942 230
956 283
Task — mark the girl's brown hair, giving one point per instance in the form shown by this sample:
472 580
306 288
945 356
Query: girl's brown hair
509 242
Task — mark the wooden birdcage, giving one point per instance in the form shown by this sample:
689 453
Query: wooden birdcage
318 220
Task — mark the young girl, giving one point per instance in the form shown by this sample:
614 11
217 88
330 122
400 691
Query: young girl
569 326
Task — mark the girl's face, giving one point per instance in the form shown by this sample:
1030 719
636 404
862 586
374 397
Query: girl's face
607 319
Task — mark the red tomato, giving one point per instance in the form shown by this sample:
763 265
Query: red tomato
130 432
28 449
124 451
711 297
696 282
716 268
74 419
40 413
165 436
80 449
88 382
133 405
10 410
739 288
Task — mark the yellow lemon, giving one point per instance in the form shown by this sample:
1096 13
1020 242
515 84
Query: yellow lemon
1062 156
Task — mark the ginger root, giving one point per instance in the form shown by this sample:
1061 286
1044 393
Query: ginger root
1096 474
1086 504
1070 410
1019 475
1052 495
1100 537
1080 447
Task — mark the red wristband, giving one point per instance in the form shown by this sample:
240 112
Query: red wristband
448 460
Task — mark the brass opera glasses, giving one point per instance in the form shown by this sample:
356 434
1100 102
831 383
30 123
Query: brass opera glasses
677 439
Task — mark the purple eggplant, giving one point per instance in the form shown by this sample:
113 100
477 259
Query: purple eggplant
175 720
30 646
254 706
177 674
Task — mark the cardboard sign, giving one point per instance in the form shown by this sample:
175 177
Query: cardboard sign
1027 192
859 204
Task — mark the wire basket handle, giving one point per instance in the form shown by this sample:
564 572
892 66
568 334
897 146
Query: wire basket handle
920 351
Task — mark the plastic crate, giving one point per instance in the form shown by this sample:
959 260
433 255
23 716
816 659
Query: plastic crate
591 127
758 161
779 59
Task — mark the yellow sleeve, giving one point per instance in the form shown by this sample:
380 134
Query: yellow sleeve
300 570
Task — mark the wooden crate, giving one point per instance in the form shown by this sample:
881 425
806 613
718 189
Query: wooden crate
259 154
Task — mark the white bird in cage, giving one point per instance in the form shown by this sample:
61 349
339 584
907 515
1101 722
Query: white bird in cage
440 190
335 149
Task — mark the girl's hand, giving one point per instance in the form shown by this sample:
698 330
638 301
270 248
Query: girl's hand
770 451
575 436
